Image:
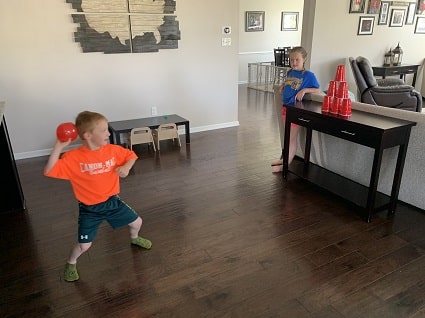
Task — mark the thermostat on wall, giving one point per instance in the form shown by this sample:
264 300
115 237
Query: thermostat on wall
226 30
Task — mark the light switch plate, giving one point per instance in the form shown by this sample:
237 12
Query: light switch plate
226 41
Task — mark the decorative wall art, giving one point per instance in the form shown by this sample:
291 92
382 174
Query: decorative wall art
383 12
410 16
289 21
357 6
125 26
420 25
254 21
397 17
365 25
421 7
374 6
399 3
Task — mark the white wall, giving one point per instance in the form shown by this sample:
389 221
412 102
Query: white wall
258 46
45 79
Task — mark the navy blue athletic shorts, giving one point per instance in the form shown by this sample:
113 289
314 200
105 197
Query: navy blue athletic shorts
115 211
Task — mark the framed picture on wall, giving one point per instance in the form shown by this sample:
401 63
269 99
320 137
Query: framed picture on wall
410 16
383 12
374 6
254 21
289 21
420 25
365 25
421 7
357 6
397 17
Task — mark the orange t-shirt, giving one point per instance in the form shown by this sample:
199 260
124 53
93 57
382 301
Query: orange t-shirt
92 172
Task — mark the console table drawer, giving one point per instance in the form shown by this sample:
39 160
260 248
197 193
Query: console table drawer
306 119
360 135
404 71
335 126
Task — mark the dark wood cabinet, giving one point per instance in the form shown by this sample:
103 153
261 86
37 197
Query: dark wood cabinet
11 194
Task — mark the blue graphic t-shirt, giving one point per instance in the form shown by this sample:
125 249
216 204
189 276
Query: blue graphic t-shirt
296 81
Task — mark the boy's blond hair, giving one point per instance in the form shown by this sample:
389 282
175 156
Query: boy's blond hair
86 121
299 49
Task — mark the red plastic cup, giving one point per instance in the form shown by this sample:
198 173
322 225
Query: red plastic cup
331 88
340 73
345 109
327 101
342 89
336 105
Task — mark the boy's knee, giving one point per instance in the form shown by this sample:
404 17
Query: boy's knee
84 246
137 223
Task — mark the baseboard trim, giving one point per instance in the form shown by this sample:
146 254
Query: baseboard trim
211 127
46 152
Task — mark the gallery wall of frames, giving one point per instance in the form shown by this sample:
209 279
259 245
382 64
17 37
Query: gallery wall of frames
255 21
389 13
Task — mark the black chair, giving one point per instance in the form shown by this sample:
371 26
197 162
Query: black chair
389 92
281 61
281 56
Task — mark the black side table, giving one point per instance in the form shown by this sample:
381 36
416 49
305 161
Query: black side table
401 70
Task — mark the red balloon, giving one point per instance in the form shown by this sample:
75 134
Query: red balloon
66 131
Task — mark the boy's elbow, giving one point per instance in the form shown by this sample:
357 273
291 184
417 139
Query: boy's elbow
46 170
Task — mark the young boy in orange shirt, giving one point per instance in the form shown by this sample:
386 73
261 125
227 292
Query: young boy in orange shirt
94 170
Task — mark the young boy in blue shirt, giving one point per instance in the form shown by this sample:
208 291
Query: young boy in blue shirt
298 82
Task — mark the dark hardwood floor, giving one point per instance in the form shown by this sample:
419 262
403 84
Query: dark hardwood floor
230 239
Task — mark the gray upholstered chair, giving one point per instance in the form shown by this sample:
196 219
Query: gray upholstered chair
389 92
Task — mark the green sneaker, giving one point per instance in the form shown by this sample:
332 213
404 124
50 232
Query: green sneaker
141 242
71 274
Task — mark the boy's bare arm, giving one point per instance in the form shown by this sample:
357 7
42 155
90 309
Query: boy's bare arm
281 87
55 154
300 95
313 90
125 168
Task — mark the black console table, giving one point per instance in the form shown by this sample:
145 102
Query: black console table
401 70
371 130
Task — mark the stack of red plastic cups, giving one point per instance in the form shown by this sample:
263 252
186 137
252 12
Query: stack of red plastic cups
336 100
328 99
